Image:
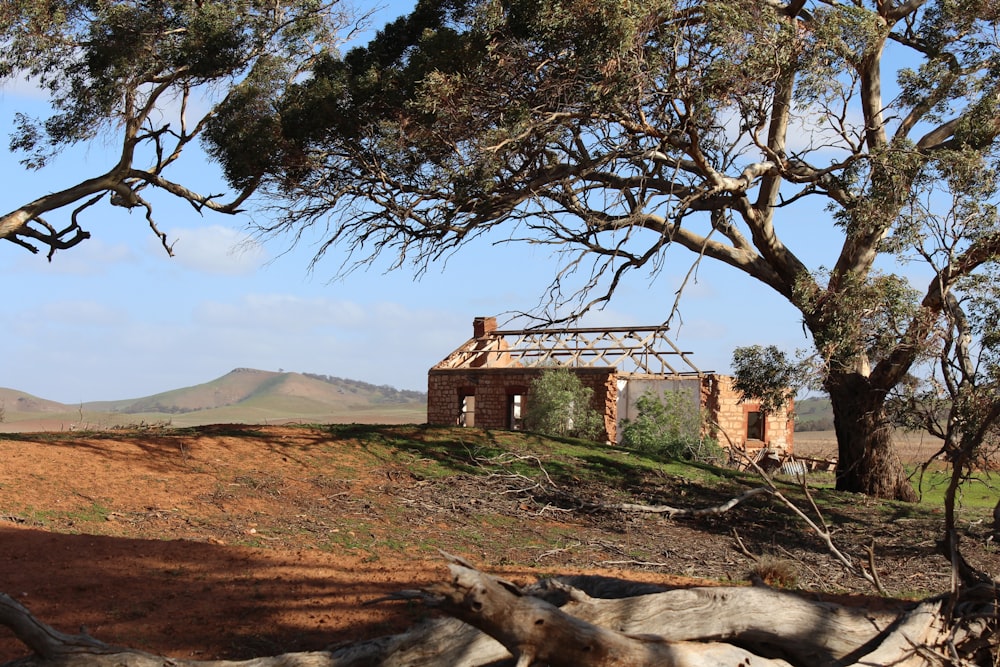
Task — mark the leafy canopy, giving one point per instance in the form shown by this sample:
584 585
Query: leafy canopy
151 77
766 375
623 134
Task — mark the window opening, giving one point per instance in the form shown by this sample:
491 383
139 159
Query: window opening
515 412
755 425
467 409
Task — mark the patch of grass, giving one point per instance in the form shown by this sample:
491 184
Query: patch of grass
46 436
438 452
261 483
507 497
978 492
331 483
473 535
33 516
95 512
396 543
774 571
250 542
219 431
350 535
220 494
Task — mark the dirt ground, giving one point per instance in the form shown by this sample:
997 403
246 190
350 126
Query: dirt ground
236 541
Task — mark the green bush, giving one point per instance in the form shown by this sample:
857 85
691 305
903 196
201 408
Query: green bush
669 426
558 404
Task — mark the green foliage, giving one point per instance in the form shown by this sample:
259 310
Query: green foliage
984 316
95 57
245 123
765 374
669 426
621 134
558 404
128 72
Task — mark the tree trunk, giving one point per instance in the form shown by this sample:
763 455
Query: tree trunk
703 627
867 459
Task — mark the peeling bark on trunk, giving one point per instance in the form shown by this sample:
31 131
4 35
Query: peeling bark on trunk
556 625
867 461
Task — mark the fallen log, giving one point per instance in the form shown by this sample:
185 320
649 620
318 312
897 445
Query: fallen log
769 620
552 623
538 632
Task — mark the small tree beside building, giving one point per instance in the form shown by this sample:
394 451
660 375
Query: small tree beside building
669 425
560 405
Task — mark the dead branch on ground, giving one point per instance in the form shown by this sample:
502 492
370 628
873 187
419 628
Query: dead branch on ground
556 624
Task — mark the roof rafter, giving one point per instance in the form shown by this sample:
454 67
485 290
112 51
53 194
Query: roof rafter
640 350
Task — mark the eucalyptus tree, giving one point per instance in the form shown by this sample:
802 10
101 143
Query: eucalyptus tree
625 134
149 78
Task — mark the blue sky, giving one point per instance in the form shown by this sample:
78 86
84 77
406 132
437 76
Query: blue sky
116 318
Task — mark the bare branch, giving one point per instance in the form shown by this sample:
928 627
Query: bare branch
674 512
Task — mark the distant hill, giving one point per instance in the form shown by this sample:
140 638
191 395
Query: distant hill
244 395
813 414
13 401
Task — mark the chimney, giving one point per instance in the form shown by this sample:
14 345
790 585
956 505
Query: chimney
482 326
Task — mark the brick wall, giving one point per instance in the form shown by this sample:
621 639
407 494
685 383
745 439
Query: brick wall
493 387
724 404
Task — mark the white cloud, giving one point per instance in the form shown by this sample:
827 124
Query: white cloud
257 312
382 342
216 249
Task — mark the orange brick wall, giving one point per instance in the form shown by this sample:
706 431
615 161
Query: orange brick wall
730 414
493 386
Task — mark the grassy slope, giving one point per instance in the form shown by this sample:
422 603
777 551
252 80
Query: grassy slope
511 497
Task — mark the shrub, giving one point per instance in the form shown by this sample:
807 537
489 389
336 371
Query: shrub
559 404
669 426
775 572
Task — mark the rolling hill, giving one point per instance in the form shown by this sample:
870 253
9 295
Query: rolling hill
244 395
813 414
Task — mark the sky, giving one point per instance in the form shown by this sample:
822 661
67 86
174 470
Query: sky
116 318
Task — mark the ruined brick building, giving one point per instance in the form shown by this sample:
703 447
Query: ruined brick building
486 381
